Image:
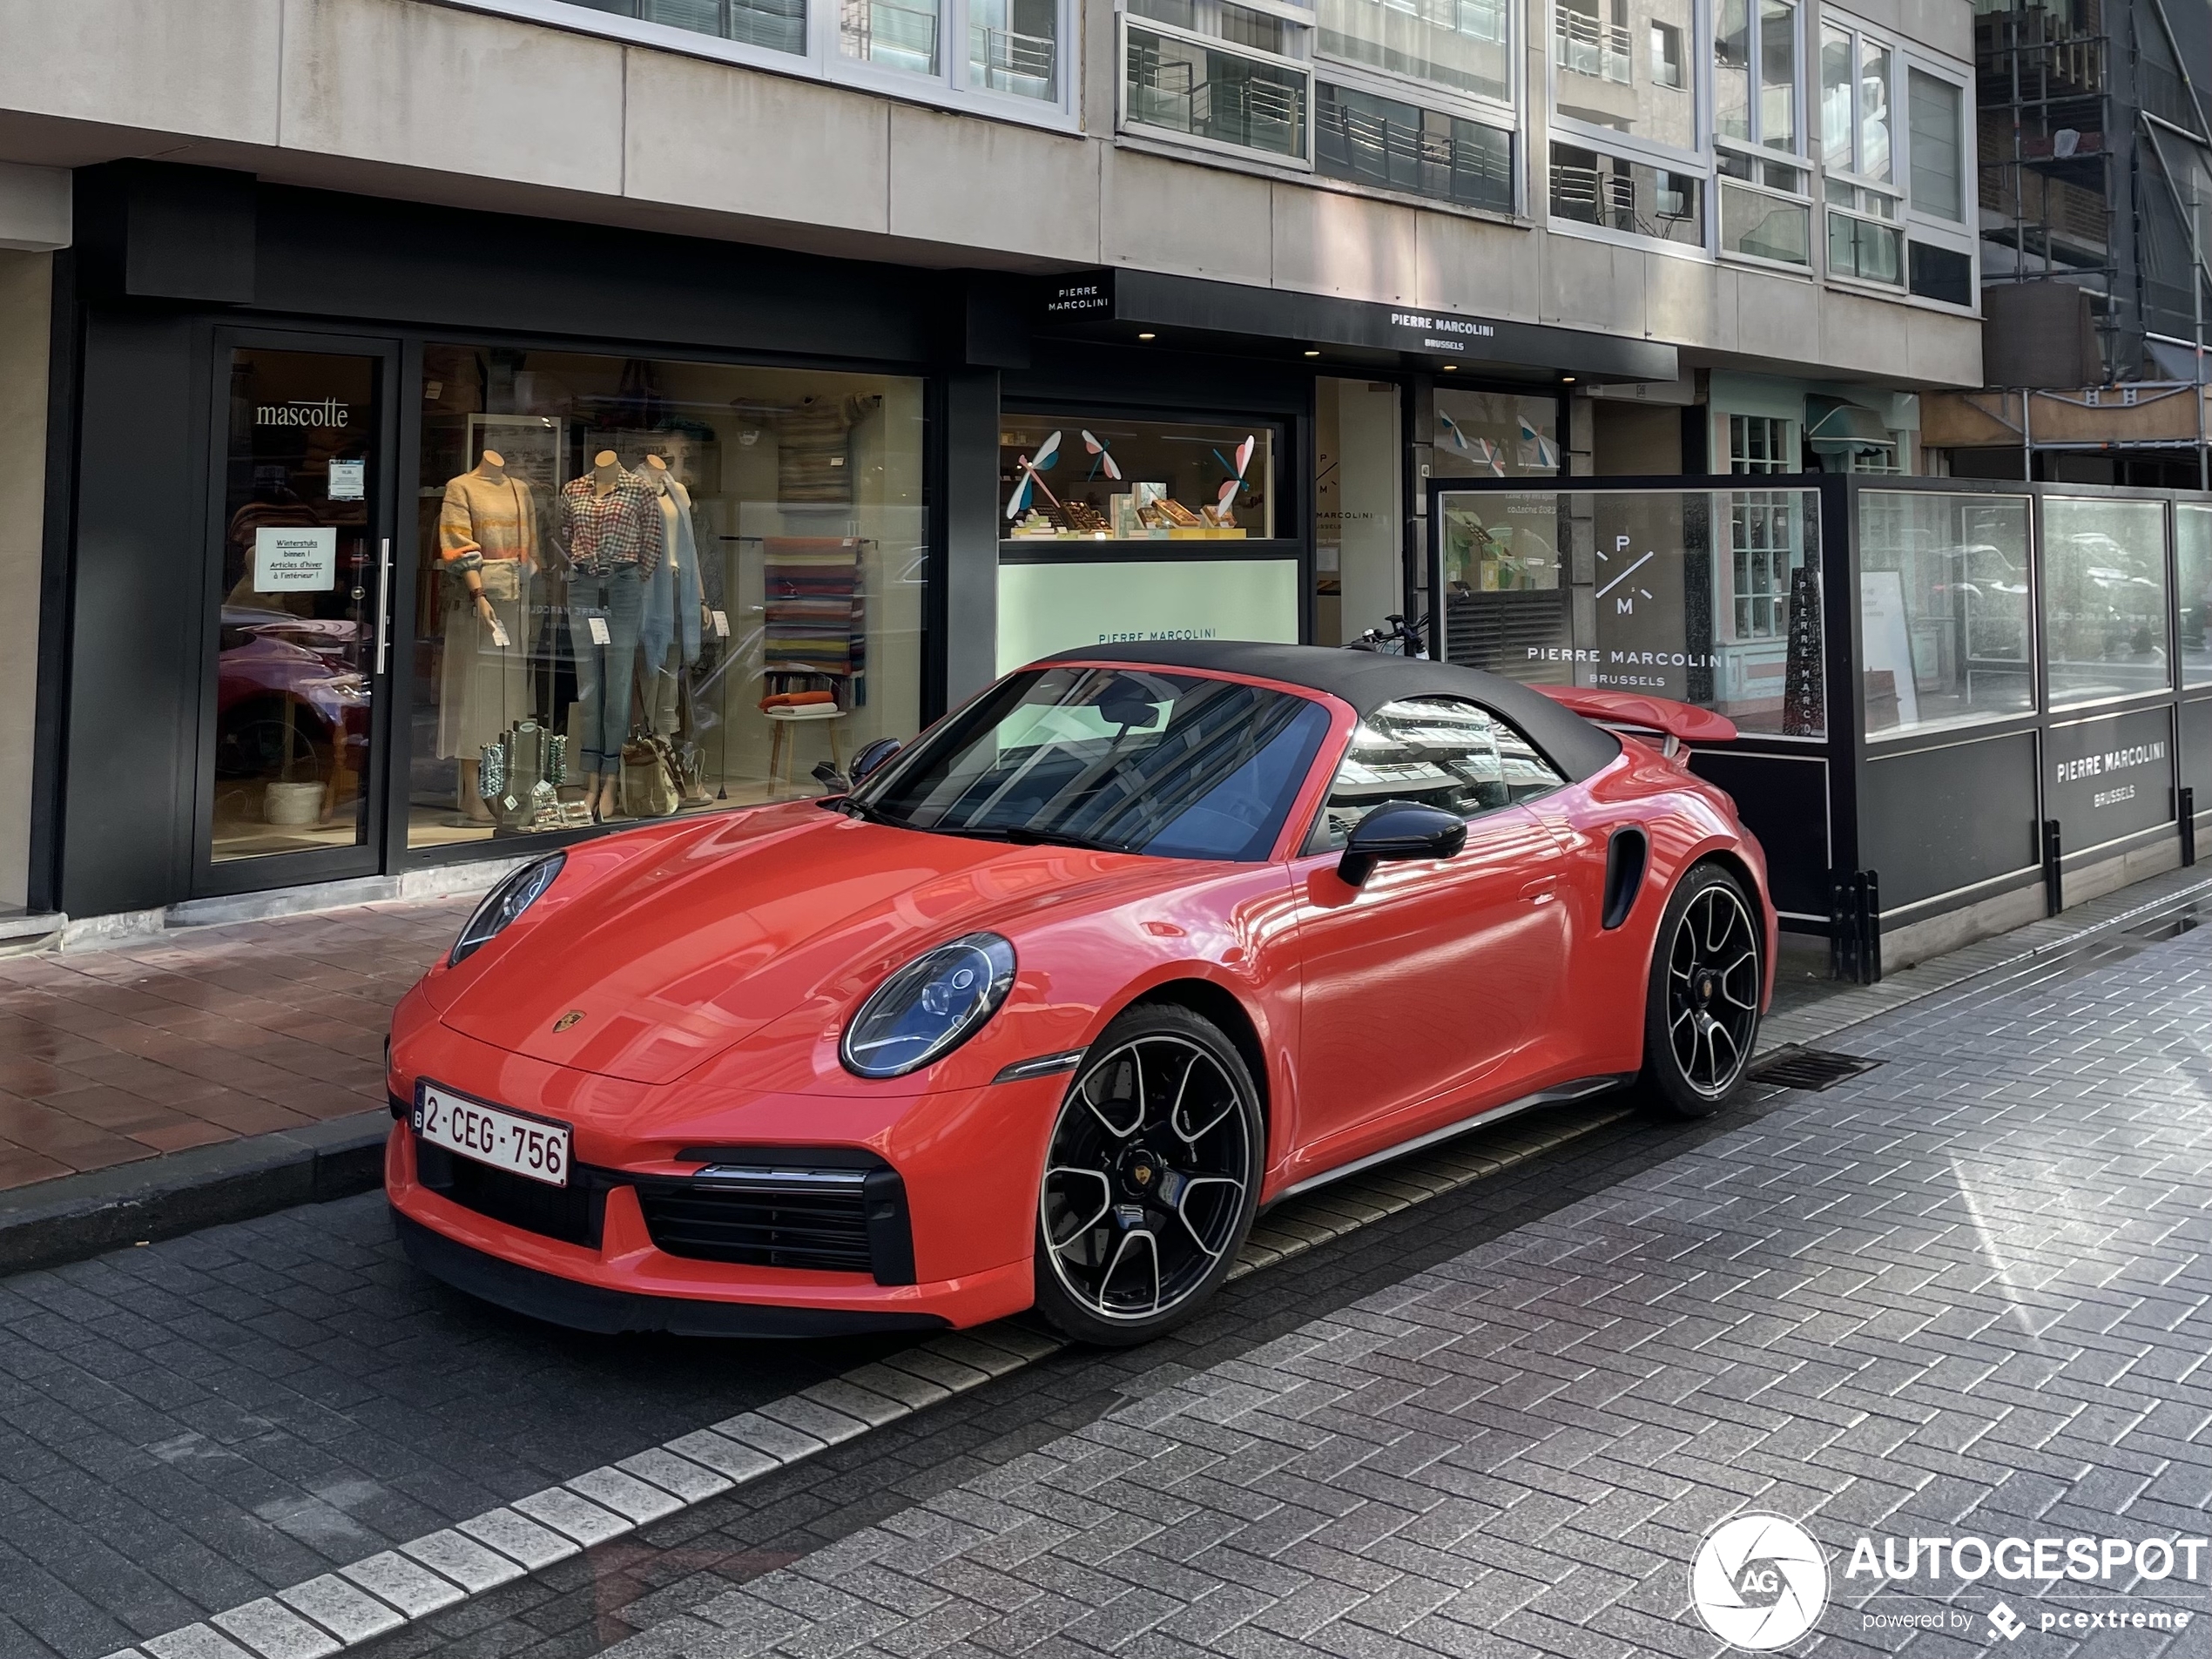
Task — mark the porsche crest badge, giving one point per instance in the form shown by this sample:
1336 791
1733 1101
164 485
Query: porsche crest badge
566 1020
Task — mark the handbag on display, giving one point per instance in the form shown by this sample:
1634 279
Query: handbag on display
520 777
690 773
648 778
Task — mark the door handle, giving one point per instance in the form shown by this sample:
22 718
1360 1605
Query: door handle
1540 889
383 603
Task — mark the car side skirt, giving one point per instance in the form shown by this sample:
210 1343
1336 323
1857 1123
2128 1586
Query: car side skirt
1558 1094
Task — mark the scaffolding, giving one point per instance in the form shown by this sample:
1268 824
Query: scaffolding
2096 174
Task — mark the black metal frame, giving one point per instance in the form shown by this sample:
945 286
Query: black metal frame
1868 807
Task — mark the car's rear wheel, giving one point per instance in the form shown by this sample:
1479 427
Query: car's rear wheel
1701 1013
1150 1178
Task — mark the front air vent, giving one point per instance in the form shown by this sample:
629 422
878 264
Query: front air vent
786 1214
572 1214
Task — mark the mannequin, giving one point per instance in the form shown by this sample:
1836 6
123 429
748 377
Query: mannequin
614 537
669 635
488 546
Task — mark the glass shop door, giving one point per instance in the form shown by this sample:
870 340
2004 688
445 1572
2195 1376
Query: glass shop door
299 615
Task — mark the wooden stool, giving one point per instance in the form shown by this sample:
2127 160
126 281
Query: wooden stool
783 742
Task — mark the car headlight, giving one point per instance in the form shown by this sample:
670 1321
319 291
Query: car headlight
516 893
929 1006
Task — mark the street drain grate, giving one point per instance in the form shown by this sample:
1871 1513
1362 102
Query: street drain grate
1810 1069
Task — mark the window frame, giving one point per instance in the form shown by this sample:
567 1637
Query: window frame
1442 100
1432 100
1316 843
1910 223
824 61
1297 17
1629 146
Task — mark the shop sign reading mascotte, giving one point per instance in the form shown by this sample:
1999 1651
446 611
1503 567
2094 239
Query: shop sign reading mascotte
2103 779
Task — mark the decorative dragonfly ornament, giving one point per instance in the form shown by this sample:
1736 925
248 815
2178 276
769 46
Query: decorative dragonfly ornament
1234 482
1102 455
1032 476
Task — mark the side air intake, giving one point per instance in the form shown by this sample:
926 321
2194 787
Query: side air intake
1625 857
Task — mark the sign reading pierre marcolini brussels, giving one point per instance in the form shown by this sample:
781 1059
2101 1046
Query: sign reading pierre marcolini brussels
1187 303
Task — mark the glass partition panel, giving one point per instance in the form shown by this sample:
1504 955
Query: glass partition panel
1707 596
2193 560
2104 598
1943 606
650 587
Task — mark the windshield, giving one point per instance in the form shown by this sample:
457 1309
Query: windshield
1126 759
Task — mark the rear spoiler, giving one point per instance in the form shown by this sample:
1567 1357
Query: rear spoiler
1678 722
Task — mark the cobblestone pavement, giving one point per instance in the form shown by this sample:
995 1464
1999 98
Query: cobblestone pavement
114 1055
1963 1294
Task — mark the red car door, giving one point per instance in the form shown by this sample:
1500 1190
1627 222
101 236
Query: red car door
1434 984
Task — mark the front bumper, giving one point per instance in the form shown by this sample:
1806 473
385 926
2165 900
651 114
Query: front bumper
611 1312
964 1166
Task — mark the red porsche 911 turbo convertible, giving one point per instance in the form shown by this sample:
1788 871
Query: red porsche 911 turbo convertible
1132 944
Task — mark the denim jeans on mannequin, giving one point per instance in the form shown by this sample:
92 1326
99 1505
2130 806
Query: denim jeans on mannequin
603 673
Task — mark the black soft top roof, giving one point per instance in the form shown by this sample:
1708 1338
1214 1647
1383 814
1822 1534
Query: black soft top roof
1369 679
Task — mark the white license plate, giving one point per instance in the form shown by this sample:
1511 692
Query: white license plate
527 1146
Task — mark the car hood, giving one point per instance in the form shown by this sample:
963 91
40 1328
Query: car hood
674 948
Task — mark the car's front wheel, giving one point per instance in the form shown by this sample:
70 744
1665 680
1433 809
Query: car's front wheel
1150 1178
1701 1010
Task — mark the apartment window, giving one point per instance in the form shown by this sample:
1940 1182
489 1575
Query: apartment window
1865 204
1620 68
1764 212
1591 187
1754 73
1396 146
774 25
1762 443
1000 57
1461 45
1219 75
1938 157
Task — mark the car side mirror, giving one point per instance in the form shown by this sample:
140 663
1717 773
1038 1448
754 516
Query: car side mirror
871 758
1400 829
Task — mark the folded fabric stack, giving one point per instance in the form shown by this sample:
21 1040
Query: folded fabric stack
813 622
796 699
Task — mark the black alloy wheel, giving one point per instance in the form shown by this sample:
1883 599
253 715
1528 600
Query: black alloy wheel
1701 1013
1151 1176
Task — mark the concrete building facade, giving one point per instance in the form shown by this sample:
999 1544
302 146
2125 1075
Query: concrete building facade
830 357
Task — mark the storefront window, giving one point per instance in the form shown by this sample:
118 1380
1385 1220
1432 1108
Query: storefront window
653 587
1097 477
296 626
1495 434
2193 560
2104 598
1706 596
1943 605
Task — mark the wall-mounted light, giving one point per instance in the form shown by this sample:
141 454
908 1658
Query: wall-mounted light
1451 368
1313 353
1567 379
1144 336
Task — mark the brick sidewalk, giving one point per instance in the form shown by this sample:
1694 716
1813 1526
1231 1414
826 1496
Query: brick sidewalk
112 1055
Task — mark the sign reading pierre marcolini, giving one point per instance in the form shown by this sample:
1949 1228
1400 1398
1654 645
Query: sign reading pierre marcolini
1110 296
2109 778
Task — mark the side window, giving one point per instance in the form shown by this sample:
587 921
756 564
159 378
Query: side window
1437 750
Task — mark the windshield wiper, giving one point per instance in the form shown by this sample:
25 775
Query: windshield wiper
1022 836
854 807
